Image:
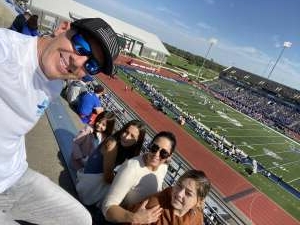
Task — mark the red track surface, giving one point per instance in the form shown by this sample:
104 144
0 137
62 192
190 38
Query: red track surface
234 187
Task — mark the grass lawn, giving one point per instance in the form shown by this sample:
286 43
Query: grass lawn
183 65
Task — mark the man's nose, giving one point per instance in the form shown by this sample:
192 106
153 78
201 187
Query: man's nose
77 65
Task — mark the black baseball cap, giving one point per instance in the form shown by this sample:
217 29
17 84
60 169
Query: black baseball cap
106 37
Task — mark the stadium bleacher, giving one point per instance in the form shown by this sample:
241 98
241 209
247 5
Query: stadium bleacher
258 82
267 101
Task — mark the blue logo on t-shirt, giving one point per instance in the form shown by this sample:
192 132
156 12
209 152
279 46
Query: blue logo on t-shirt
41 107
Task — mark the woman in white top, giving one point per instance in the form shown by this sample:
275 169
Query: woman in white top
137 179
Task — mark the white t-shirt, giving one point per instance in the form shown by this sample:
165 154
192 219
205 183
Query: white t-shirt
25 93
133 183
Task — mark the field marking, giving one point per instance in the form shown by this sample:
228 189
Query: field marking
269 155
272 143
256 136
293 180
262 124
213 121
284 164
206 115
232 128
217 121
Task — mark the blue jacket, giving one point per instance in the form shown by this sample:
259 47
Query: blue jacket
28 31
86 104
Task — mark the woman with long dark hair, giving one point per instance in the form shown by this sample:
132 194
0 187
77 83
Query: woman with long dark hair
89 138
99 170
137 179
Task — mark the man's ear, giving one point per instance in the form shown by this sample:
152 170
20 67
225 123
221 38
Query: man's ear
62 27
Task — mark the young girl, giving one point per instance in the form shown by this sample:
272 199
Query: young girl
89 138
98 172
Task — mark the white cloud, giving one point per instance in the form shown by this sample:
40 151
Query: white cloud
204 26
167 11
255 61
276 41
291 63
181 24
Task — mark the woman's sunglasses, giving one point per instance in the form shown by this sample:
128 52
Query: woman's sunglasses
82 47
163 153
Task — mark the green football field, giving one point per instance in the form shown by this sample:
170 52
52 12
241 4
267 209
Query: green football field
274 151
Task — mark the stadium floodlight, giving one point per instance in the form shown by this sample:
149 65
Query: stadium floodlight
212 42
286 44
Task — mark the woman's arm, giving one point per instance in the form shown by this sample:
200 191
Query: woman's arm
109 151
121 185
77 151
142 215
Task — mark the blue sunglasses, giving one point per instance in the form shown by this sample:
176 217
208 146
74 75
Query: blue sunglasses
82 47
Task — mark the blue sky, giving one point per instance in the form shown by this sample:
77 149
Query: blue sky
250 33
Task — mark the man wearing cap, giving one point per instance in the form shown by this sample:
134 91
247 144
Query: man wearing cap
31 74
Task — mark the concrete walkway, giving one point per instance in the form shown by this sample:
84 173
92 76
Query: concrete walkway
43 153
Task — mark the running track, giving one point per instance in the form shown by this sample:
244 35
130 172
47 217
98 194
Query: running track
235 188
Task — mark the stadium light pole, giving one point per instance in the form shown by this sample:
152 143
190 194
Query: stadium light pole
286 44
212 41
267 67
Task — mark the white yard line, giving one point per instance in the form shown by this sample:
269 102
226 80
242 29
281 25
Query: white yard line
213 121
232 128
273 143
284 164
209 115
259 136
271 156
293 180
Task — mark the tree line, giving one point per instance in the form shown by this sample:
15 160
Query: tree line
194 59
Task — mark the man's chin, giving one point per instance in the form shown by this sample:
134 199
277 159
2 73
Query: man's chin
70 77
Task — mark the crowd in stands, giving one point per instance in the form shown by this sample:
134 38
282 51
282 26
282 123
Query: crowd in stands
262 107
260 83
124 182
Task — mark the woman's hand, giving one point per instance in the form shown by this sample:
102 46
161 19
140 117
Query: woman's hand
146 216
